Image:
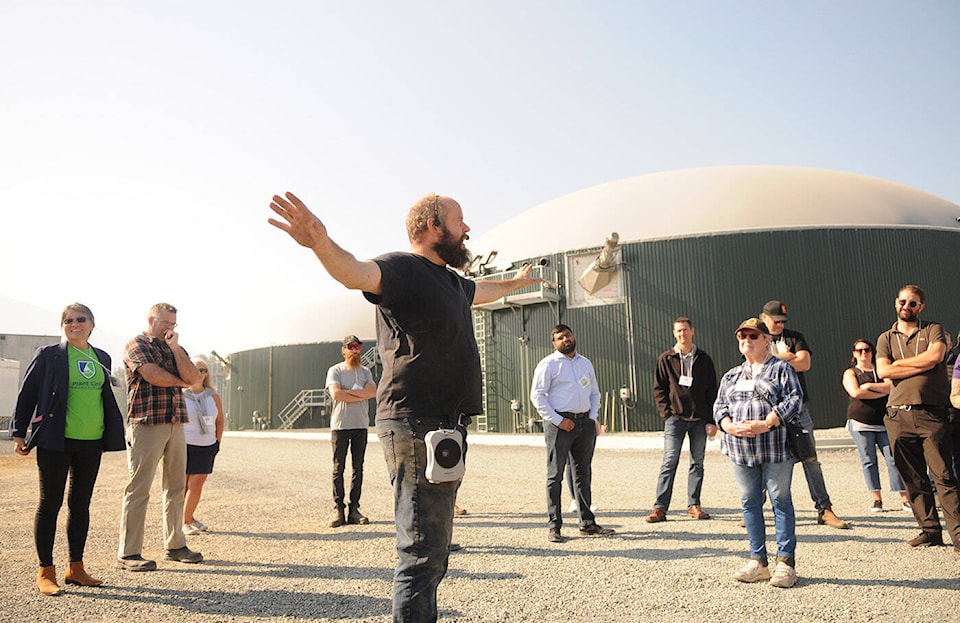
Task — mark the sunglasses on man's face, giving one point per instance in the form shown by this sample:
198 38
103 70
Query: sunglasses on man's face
78 320
353 346
910 304
748 336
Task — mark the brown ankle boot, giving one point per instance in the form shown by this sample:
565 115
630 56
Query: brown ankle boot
76 574
828 517
47 581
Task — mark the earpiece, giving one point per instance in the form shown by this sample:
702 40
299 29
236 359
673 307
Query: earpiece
436 210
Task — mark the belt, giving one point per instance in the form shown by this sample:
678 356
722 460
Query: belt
574 416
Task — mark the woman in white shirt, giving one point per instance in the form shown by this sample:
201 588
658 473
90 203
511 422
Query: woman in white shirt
203 431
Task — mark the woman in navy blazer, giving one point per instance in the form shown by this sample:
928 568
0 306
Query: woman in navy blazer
67 404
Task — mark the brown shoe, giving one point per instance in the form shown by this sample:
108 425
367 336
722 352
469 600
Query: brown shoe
459 511
76 574
338 519
827 516
656 515
698 513
47 581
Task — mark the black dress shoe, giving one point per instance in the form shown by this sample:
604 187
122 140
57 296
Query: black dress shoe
595 530
554 536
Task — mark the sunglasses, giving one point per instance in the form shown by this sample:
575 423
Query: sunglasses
78 320
748 336
354 346
863 350
910 304
202 370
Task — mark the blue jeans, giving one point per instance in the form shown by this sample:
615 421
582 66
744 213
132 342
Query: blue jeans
775 478
423 516
812 470
576 445
867 443
674 430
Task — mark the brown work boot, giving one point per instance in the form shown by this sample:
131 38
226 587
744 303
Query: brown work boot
827 516
76 574
656 515
47 581
338 519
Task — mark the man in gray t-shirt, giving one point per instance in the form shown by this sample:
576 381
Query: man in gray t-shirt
351 387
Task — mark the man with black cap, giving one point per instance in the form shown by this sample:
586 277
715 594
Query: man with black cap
351 387
790 346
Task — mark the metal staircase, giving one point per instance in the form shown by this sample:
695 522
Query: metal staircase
300 404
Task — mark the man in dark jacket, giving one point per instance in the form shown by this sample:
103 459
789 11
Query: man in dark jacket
685 389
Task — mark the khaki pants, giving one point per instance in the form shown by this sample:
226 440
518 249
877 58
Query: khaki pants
146 446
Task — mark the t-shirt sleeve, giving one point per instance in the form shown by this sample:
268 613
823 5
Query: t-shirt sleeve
332 377
394 274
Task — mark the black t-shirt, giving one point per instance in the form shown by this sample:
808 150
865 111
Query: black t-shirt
795 342
431 366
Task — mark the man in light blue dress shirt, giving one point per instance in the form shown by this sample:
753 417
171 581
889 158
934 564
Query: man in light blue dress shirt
567 397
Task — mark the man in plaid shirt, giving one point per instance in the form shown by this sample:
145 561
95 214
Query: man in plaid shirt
157 369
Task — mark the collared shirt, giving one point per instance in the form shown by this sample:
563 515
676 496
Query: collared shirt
146 403
562 383
927 388
775 385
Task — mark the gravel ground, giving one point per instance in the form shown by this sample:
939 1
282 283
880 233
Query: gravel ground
270 556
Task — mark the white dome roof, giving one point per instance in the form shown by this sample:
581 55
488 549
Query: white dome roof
713 200
661 205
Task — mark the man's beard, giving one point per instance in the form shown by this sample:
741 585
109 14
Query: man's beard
451 251
907 314
353 359
568 348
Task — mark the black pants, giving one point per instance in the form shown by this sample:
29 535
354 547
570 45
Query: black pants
356 440
921 440
81 459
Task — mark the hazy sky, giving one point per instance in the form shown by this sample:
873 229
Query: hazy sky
141 142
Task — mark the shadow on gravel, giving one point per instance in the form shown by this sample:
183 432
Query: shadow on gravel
253 604
280 570
358 534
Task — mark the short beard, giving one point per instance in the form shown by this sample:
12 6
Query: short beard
451 251
567 349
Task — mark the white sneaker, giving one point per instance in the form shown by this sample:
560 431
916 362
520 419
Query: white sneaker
189 528
877 507
784 576
906 507
199 525
753 571
574 507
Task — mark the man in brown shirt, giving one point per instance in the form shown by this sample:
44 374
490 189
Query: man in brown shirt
911 354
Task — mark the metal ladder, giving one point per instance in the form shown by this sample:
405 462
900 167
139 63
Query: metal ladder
481 320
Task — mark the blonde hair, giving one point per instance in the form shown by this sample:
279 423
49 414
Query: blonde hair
207 382
428 208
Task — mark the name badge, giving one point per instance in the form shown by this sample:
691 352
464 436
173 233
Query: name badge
584 381
744 385
686 381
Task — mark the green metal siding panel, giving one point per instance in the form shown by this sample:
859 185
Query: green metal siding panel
838 285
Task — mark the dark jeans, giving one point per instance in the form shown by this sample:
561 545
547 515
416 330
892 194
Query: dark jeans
423 515
356 440
576 445
674 430
81 459
921 441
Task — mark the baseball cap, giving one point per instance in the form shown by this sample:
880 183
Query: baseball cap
753 323
350 339
776 310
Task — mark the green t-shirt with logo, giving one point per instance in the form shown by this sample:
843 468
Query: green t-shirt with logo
84 395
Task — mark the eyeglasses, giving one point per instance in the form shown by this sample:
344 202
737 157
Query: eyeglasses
202 370
779 322
863 350
748 336
78 320
353 346
910 304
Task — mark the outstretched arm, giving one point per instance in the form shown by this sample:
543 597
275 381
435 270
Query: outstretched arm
490 290
308 231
